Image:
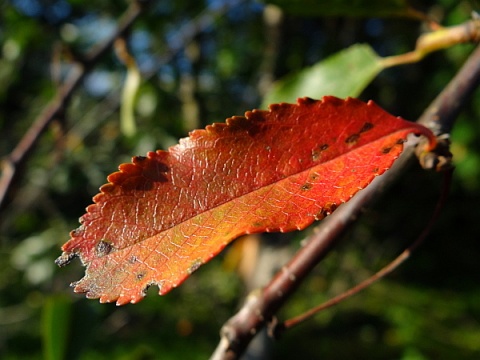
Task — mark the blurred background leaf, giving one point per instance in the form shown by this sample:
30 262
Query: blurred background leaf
346 73
365 8
56 327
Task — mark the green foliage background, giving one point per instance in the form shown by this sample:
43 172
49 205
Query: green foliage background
202 62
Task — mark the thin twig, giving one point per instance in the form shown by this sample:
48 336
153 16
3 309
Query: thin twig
15 161
440 38
261 306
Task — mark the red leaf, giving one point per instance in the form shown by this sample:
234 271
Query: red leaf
166 214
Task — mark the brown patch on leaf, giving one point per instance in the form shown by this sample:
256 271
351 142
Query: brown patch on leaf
140 276
367 126
352 139
306 186
317 152
104 247
314 176
326 210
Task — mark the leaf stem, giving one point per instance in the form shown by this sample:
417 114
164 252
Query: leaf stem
439 39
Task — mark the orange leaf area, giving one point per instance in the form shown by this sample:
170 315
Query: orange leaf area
162 216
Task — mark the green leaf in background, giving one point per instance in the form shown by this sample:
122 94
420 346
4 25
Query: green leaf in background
363 8
55 327
343 74
130 90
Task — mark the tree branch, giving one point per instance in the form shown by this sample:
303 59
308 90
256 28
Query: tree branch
443 111
261 306
16 160
387 269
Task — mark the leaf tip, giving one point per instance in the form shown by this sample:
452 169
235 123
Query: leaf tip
65 259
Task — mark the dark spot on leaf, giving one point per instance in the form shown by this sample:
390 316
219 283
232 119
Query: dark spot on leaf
156 172
386 150
375 171
141 175
316 152
238 126
330 207
137 183
352 139
104 247
320 215
254 130
307 100
314 176
367 126
132 259
139 159
140 276
77 232
306 186
326 210
400 141
195 265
